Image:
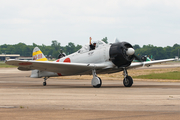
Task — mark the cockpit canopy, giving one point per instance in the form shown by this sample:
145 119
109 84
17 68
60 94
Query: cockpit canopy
86 48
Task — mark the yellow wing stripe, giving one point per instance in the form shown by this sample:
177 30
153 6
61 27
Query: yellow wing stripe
36 53
42 59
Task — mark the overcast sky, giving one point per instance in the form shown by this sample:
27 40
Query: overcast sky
141 22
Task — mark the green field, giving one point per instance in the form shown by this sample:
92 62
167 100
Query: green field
4 65
175 75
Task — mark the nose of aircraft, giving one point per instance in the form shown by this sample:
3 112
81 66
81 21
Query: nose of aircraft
121 54
130 51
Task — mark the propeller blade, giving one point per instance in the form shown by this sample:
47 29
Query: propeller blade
61 51
137 58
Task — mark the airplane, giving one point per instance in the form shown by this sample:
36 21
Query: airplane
104 59
143 58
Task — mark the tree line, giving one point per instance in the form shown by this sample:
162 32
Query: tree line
53 50
157 52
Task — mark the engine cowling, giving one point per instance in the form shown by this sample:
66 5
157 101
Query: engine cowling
121 54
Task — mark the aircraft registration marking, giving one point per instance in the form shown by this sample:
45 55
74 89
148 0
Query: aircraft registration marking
39 56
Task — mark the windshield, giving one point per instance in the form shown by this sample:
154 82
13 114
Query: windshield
86 48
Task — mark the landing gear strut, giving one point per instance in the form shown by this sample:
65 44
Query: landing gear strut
44 83
96 81
128 81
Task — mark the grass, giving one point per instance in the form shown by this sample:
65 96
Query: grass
174 75
157 73
4 65
21 107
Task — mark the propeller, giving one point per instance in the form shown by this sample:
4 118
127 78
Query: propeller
122 54
60 51
131 52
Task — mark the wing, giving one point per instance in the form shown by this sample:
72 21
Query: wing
57 67
76 68
112 69
141 64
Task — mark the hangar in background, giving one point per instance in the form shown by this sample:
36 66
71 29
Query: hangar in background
9 56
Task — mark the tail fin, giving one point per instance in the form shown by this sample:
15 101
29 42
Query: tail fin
38 55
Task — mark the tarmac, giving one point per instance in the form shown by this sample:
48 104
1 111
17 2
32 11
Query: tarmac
25 98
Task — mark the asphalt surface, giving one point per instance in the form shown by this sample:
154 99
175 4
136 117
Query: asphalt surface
23 98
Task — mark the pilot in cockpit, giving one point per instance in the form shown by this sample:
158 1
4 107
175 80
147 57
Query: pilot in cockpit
92 46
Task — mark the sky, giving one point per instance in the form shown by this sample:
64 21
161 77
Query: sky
142 22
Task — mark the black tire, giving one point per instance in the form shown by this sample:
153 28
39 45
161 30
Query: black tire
44 83
128 81
99 85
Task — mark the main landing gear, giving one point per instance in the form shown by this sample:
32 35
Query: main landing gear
96 81
128 81
44 83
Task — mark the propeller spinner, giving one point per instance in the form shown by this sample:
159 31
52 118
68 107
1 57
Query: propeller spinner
130 51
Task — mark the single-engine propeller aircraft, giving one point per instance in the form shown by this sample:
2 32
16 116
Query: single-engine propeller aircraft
142 58
105 58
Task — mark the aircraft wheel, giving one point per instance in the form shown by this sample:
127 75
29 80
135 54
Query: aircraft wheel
44 83
98 85
128 81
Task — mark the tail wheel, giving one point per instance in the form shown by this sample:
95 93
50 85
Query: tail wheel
44 83
128 81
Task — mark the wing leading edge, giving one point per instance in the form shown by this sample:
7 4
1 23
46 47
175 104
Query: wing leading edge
141 64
